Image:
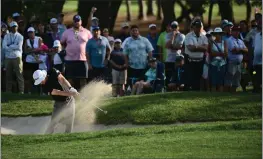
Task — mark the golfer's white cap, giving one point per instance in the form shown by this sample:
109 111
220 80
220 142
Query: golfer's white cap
152 25
30 29
56 43
117 40
16 14
39 76
125 24
53 21
13 24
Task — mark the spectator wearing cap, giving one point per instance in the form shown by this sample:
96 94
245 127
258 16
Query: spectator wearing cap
196 44
59 57
257 61
12 44
161 43
153 38
55 34
125 33
106 35
61 26
138 50
177 80
75 40
92 21
16 16
226 26
218 52
31 46
98 53
174 45
119 70
236 49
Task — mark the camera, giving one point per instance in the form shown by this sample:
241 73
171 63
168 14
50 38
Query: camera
174 26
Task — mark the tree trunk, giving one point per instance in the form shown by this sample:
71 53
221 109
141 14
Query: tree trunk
159 9
84 8
140 3
150 8
127 2
248 10
57 6
114 9
168 12
210 13
226 10
185 13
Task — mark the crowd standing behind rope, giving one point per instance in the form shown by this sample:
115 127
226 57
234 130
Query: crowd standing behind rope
219 59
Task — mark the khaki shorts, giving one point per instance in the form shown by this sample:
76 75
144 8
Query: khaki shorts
119 77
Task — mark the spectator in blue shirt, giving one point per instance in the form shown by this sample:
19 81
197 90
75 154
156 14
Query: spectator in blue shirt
98 53
226 27
236 49
153 38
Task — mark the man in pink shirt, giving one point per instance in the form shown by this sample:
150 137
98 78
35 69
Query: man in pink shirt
75 40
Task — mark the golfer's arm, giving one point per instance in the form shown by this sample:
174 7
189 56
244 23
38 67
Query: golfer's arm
57 92
63 80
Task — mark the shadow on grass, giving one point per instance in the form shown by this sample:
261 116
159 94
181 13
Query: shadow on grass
6 97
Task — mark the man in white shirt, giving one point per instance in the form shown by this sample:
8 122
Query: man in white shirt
196 44
12 44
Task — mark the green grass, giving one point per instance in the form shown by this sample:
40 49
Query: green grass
154 108
70 6
25 105
239 139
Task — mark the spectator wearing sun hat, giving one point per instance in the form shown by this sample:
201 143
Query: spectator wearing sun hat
218 52
59 57
16 16
75 40
153 38
226 27
236 49
13 46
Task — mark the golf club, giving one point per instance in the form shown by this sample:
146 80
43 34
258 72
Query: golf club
104 111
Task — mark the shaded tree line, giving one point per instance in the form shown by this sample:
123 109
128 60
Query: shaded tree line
108 9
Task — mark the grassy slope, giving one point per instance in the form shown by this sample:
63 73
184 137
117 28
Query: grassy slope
239 139
154 108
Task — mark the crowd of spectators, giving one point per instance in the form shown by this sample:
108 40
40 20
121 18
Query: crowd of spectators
219 59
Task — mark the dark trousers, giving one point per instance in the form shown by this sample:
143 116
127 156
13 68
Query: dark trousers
135 73
97 74
193 71
169 68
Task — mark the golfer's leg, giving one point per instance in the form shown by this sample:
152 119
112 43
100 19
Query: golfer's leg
71 117
54 119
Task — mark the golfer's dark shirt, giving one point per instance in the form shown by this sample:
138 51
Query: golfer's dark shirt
52 83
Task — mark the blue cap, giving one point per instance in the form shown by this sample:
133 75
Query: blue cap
77 18
95 28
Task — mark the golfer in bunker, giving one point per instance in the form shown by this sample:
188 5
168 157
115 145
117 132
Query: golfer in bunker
63 95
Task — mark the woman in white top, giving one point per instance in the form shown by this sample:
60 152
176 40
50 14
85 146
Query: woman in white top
58 60
218 52
32 45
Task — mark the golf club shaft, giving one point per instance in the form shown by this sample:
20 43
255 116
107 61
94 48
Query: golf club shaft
97 107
